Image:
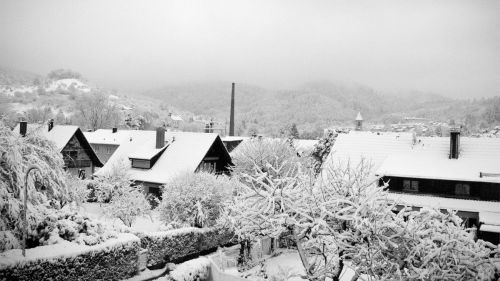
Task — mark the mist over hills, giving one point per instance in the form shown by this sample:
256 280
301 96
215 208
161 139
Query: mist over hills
312 106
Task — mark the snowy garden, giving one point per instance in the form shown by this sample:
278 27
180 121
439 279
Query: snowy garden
277 217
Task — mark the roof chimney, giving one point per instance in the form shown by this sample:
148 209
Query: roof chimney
51 124
23 127
454 142
114 130
231 118
160 137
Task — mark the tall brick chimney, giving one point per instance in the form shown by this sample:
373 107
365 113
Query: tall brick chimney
231 118
23 128
160 137
50 125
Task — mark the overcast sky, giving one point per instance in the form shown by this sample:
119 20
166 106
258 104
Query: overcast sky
451 47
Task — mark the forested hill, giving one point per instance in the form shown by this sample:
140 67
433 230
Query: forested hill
15 77
314 106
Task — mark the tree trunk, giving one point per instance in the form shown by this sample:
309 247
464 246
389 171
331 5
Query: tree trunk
341 267
302 254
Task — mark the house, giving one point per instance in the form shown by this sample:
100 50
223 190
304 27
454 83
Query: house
458 173
174 121
106 141
153 158
79 157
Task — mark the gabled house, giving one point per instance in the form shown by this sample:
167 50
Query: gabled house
79 157
153 158
106 141
458 173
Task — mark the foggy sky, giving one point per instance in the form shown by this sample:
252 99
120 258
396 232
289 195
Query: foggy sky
448 47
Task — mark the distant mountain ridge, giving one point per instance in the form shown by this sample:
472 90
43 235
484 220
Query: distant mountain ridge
312 106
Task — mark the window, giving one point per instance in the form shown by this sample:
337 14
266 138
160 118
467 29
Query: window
209 167
410 185
141 163
462 189
70 154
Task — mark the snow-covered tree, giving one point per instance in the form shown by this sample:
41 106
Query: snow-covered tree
195 199
95 111
128 204
322 150
48 193
346 217
105 187
253 156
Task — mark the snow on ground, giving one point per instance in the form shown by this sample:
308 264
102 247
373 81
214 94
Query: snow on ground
285 266
11 90
66 83
142 224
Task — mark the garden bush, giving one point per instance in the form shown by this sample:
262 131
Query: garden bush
70 226
128 204
195 199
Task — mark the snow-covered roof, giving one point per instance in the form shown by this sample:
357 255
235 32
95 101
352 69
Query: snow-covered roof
106 136
176 117
304 146
184 153
373 147
416 165
61 135
234 138
145 152
403 155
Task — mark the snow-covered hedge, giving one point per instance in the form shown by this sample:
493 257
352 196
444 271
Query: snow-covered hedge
174 245
192 270
114 259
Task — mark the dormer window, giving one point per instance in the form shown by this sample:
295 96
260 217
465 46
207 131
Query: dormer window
146 158
141 163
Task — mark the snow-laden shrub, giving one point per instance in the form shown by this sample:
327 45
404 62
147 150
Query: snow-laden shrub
105 187
127 204
195 199
70 226
47 188
78 189
192 270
